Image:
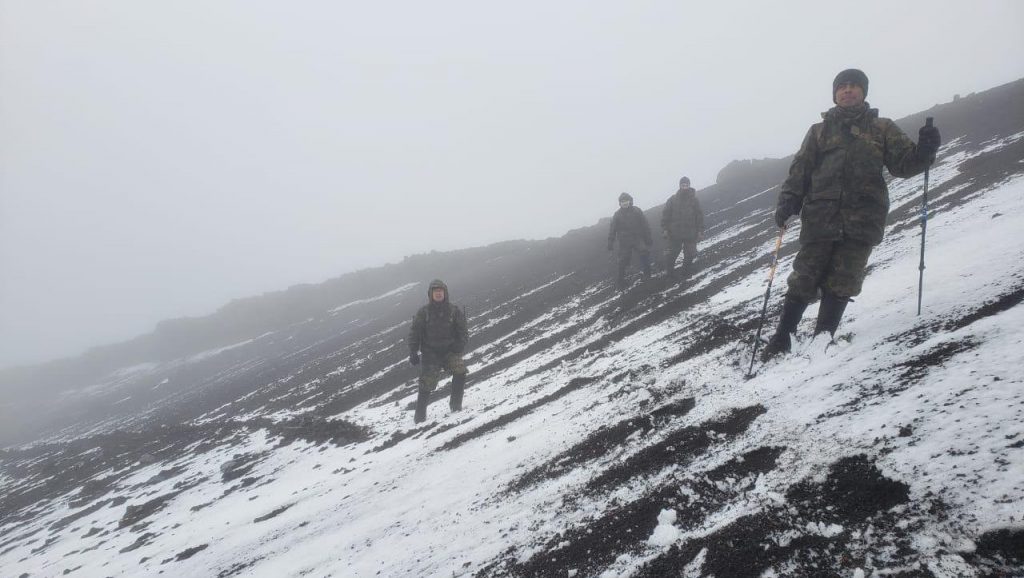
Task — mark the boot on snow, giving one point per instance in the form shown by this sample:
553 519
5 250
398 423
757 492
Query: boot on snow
830 312
670 270
792 311
422 397
458 387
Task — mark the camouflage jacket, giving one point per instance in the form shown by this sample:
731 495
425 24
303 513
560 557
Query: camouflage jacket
630 225
440 327
837 175
682 217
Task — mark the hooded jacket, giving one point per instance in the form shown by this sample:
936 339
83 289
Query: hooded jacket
630 225
439 327
682 217
837 175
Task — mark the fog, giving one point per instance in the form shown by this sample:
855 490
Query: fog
160 159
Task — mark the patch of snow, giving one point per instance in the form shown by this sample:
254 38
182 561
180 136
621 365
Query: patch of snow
392 293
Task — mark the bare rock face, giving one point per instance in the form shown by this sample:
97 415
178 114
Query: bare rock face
749 173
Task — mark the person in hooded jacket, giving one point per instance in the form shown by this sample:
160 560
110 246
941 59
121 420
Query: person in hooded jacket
437 340
836 185
634 233
682 223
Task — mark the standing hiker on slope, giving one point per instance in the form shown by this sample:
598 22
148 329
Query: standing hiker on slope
682 223
836 185
630 225
438 331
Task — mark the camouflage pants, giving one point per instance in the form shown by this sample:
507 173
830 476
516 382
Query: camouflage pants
676 246
432 368
834 267
626 255
434 365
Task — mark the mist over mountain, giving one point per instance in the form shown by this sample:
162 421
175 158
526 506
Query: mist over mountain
604 434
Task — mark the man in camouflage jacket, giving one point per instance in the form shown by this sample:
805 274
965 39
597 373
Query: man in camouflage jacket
630 225
440 333
836 185
682 223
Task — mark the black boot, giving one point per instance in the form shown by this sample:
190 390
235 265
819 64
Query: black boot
422 397
688 269
670 266
792 311
830 312
620 279
458 387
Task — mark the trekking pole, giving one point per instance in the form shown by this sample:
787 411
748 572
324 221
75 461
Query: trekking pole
767 292
924 230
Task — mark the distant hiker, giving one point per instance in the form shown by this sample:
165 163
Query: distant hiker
682 223
630 225
439 332
836 185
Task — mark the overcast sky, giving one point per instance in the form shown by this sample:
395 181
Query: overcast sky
158 159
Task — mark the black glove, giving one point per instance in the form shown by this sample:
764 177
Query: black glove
788 206
928 141
611 246
414 358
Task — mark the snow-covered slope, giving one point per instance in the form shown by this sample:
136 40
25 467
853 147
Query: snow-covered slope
602 435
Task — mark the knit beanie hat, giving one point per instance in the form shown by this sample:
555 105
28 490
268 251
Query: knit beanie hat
850 75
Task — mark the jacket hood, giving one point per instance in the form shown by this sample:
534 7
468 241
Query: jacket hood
437 284
625 197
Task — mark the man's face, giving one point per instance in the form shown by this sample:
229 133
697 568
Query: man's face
623 203
849 95
437 294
